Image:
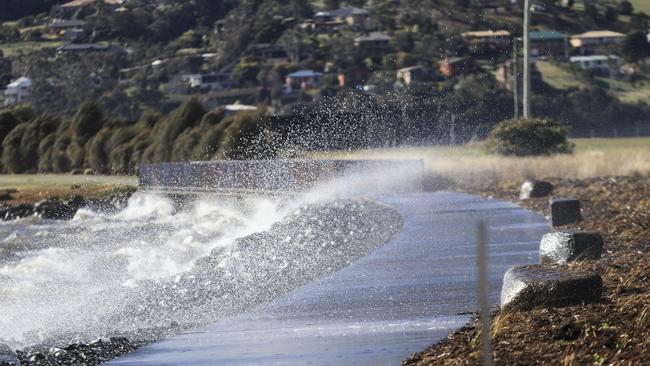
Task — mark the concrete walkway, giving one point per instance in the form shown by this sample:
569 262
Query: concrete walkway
393 302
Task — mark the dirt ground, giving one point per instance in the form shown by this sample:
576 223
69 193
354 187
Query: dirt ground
614 331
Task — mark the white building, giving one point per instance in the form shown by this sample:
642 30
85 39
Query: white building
213 81
236 108
18 91
607 64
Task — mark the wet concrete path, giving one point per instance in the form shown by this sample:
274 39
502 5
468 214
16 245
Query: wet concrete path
393 302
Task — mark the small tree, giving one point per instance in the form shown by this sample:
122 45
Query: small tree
625 7
635 46
246 71
611 14
639 21
592 11
529 136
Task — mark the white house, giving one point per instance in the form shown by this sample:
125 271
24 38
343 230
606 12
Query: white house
18 91
212 81
607 64
236 108
408 75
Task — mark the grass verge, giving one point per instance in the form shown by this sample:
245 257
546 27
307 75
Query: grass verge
30 188
470 164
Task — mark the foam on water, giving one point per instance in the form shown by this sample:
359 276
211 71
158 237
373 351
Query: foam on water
63 281
55 274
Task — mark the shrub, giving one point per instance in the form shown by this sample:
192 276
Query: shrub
45 153
88 120
529 136
246 137
11 155
166 131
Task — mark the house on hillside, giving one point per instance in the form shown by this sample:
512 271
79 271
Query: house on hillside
375 43
85 7
211 81
408 75
267 53
352 16
456 66
551 44
90 47
219 26
235 108
498 38
71 30
58 26
601 64
303 79
592 42
18 91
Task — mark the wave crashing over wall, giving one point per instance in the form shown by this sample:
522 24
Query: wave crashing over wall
152 269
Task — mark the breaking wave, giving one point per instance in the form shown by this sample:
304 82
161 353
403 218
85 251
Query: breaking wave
155 267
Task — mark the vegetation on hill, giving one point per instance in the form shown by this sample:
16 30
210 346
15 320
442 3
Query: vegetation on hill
144 109
41 143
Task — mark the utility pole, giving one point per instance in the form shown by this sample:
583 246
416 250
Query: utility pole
515 76
527 88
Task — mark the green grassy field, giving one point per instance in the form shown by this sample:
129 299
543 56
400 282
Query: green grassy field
589 144
627 92
31 188
641 6
556 76
472 164
36 181
561 77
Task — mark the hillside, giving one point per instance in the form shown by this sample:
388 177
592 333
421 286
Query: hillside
414 71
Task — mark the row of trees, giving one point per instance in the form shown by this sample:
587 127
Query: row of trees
43 143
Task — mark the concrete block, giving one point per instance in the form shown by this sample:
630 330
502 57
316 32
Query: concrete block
564 211
565 246
535 188
526 287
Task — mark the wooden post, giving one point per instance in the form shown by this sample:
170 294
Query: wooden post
484 293
515 77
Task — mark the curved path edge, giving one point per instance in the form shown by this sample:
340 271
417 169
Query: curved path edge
391 303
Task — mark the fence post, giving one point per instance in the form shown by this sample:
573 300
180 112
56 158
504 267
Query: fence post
484 293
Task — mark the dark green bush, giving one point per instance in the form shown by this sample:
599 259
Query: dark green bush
11 155
529 136
246 137
45 153
88 120
165 132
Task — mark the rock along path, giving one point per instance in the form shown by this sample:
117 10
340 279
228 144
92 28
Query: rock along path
391 303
